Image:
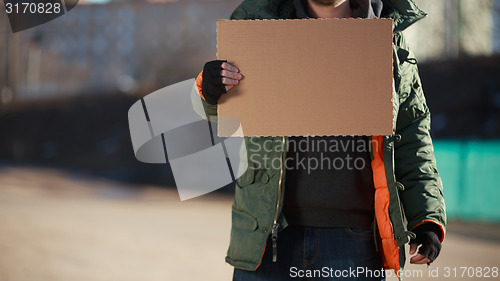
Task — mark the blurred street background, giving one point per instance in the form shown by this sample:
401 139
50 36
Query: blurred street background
75 204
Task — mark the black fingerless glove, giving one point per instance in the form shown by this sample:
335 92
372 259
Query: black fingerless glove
211 85
428 236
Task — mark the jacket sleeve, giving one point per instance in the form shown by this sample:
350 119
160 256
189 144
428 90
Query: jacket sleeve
210 109
421 189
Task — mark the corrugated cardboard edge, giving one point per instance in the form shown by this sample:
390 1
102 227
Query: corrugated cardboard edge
319 19
288 20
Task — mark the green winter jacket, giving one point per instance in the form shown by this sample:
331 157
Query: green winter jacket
406 180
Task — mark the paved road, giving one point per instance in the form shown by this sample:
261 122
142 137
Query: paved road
59 226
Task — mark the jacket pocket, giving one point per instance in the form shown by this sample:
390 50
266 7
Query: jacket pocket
242 220
247 178
246 243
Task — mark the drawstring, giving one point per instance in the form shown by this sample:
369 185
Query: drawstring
411 60
411 234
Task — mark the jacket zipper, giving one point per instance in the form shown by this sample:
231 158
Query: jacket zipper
274 232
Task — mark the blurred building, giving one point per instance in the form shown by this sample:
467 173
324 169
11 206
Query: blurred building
456 28
132 47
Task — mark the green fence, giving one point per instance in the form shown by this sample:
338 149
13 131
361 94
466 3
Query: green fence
470 171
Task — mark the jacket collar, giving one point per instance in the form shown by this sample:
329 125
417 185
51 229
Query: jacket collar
301 11
367 9
403 12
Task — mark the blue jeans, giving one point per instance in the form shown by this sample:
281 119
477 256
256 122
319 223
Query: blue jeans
309 253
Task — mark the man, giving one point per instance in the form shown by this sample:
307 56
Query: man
336 222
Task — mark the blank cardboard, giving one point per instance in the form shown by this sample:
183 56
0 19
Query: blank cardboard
311 77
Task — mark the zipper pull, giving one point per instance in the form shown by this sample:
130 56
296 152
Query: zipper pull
274 237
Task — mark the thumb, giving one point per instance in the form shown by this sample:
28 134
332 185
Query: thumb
413 248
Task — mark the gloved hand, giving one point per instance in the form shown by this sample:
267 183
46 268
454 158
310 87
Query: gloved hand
218 77
428 237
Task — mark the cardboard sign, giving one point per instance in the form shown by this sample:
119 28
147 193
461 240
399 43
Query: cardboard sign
313 77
